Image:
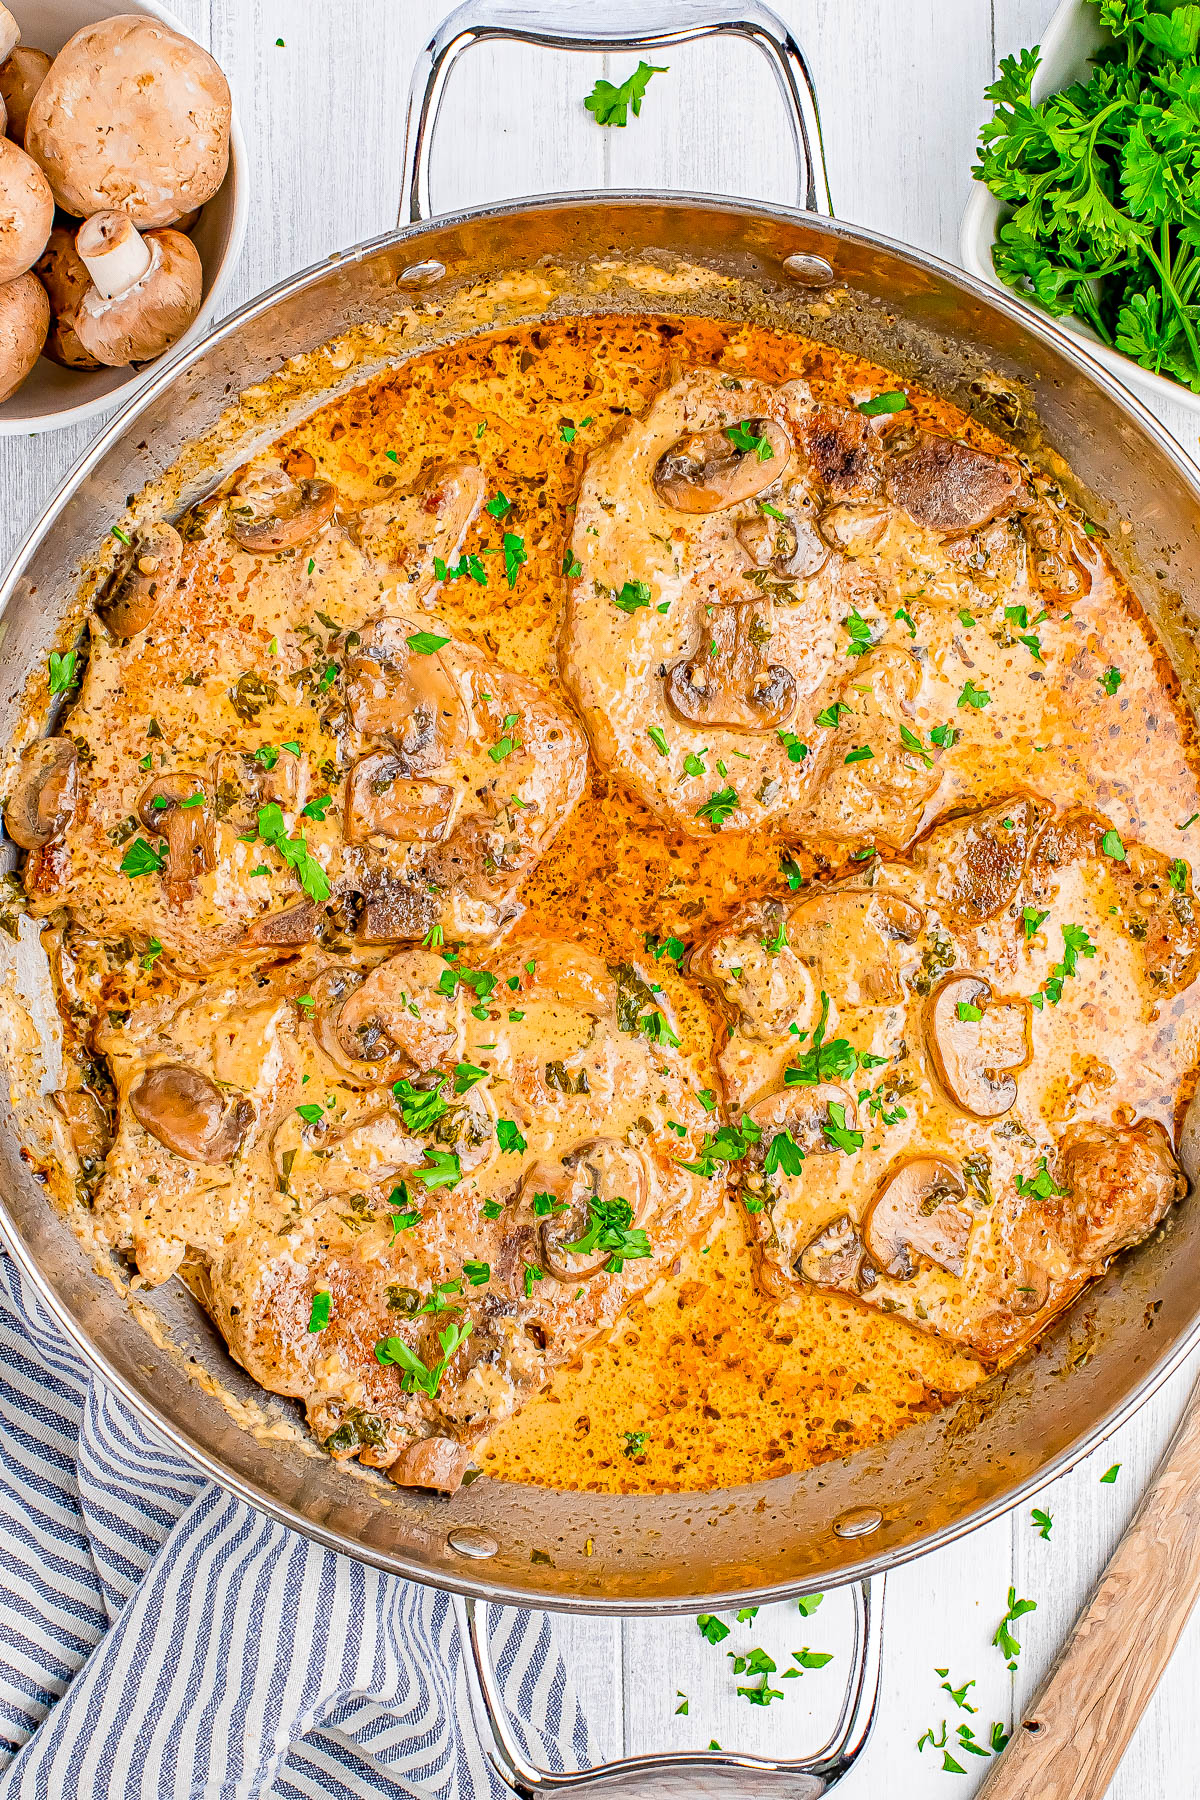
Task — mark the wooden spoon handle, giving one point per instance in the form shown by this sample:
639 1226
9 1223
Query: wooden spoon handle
1069 1741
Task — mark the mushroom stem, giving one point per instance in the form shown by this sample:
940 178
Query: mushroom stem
10 33
113 251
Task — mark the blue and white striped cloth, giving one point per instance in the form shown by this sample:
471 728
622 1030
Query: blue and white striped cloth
160 1640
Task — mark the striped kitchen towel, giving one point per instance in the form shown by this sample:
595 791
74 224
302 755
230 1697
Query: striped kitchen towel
160 1640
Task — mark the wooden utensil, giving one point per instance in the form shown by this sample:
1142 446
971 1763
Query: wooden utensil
1069 1741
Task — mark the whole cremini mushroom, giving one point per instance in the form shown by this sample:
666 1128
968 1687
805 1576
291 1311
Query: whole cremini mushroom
132 115
65 278
21 75
10 33
24 322
26 211
145 290
188 1113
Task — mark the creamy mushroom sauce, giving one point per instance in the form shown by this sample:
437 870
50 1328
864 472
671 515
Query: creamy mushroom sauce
722 1357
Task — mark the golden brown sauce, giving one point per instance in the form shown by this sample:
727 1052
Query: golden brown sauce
710 1383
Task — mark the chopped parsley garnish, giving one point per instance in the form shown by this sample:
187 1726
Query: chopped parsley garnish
1110 681
572 567
611 1229
777 942
860 753
1032 921
509 1138
1076 943
505 745
1004 1640
718 807
440 1169
712 1628
744 438
973 696
266 756
656 1028
784 1155
635 1443
632 595
658 738
122 536
151 953
966 619
142 858
546 1205
911 741
294 851
316 809
318 1318
791 871
693 763
968 1012
421 1108
466 566
1112 846
905 618
1177 875
707 1098
499 506
837 1131
492 1209
1041 1185
1042 1521
860 634
829 715
62 670
514 556
1110 1475
466 1075
425 643
944 736
610 105
796 749
773 512
532 1274
891 402
477 1273
728 1144
311 1112
416 1375
807 1604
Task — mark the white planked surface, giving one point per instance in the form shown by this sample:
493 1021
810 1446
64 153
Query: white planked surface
901 91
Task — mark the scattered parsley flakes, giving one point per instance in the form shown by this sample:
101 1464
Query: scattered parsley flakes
712 1628
1042 1522
509 1138
632 595
658 738
416 1375
311 1112
1004 1640
499 506
1177 875
141 858
968 1012
860 634
610 105
911 741
860 753
466 1075
973 696
572 568
151 953
784 1155
1112 846
62 670
1110 681
425 643
828 716
440 1169
743 437
318 1318
718 807
1110 1475
1032 921
905 618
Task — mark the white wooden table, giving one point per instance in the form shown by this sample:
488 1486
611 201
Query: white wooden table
901 84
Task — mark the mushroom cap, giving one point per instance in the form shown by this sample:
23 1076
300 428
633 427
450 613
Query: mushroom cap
145 576
151 315
920 1209
62 273
977 1044
10 32
26 211
42 803
707 471
272 511
21 75
188 1113
24 322
132 115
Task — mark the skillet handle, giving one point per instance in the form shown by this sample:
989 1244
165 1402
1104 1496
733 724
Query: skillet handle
640 26
693 1774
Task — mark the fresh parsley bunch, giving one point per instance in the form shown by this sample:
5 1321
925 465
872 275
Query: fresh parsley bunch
1103 181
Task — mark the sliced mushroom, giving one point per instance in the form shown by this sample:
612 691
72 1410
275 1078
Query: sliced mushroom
758 971
42 804
241 785
145 576
1063 560
412 532
365 1052
979 860
188 1113
272 511
951 487
854 529
284 930
377 1019
975 1057
837 1258
87 1123
920 1211
175 806
789 545
727 681
706 471
381 801
438 1463
804 1112
604 1170
411 699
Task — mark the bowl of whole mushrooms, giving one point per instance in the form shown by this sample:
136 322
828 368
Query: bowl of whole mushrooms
123 203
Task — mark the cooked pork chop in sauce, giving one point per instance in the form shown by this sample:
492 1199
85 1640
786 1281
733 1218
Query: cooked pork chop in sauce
622 908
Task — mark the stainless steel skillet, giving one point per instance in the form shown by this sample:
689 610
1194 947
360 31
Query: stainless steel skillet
259 373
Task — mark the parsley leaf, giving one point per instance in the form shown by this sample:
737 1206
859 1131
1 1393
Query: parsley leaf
891 402
632 595
611 1229
1004 1640
1111 680
743 437
509 1137
425 643
973 696
142 858
610 105
62 670
717 808
318 1318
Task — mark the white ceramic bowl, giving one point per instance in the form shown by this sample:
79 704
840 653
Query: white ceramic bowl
1068 41
52 396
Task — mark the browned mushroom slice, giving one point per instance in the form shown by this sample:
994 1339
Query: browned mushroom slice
42 804
188 1113
978 861
853 937
145 576
920 1211
951 487
377 1019
600 1183
728 680
785 543
365 1052
271 511
758 970
284 930
1062 559
395 693
837 1258
395 910
842 446
976 1044
87 1123
175 806
854 529
1119 1182
709 471
438 1463
381 801
806 1114
412 532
